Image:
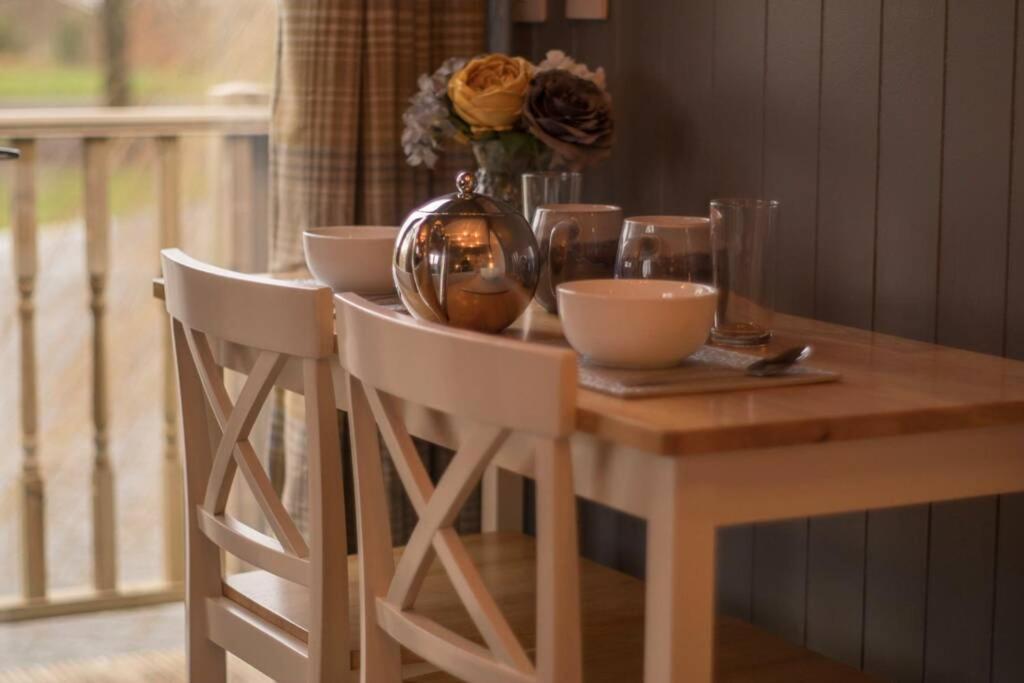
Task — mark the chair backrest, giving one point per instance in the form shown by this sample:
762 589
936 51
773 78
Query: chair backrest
487 378
278 324
499 386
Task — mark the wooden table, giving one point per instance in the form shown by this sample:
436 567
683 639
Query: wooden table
908 423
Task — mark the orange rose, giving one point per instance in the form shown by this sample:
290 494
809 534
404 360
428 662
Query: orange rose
488 92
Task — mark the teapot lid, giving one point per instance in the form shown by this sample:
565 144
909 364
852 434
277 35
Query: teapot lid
466 202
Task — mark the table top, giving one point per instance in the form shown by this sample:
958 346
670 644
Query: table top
889 386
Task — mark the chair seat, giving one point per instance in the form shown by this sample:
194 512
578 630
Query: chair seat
612 613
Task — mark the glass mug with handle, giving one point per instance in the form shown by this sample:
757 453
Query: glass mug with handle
665 248
577 242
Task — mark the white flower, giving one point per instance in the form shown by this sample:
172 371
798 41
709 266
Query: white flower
427 120
556 59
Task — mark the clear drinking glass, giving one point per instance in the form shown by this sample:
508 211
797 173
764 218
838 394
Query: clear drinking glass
665 248
743 259
550 187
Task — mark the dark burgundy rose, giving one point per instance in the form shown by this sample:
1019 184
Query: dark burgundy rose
571 115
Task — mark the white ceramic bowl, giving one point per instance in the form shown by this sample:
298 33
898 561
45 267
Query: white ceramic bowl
636 323
352 258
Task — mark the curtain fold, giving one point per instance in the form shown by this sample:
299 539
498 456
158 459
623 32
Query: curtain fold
345 72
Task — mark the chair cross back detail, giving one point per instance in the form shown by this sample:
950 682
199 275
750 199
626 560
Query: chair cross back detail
391 360
282 327
288 556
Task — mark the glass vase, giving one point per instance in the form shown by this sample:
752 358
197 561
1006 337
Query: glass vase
501 166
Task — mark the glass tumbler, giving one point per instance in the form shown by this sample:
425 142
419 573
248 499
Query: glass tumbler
665 248
743 237
550 187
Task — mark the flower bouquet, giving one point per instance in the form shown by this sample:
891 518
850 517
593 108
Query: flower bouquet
517 117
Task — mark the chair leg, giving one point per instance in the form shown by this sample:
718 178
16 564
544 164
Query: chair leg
380 656
328 645
559 647
206 662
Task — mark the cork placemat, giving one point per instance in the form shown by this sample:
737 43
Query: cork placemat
710 369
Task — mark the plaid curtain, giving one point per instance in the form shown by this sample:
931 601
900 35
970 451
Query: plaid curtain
345 71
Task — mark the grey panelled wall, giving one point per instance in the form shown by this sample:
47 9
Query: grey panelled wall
887 129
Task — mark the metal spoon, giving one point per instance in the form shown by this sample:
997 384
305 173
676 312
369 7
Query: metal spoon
779 363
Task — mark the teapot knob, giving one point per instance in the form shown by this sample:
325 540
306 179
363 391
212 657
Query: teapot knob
466 183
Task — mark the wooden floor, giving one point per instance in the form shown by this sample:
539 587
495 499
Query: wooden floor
786 666
612 616
142 667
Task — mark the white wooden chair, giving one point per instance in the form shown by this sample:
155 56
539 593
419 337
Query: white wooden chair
286 327
292 616
488 601
499 386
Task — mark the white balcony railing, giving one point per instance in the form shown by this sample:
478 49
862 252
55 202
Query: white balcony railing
241 132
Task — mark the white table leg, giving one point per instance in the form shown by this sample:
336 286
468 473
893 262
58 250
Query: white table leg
679 613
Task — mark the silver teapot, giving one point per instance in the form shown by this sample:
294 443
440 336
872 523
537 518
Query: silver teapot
466 260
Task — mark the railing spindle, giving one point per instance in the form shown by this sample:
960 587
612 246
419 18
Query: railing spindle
97 227
170 217
240 200
236 128
33 532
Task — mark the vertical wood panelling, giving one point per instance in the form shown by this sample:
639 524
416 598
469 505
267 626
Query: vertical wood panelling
976 161
524 39
1015 237
738 102
895 578
734 571
835 586
792 73
619 161
1008 631
641 171
848 160
961 572
686 98
909 167
791 144
780 578
599 532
